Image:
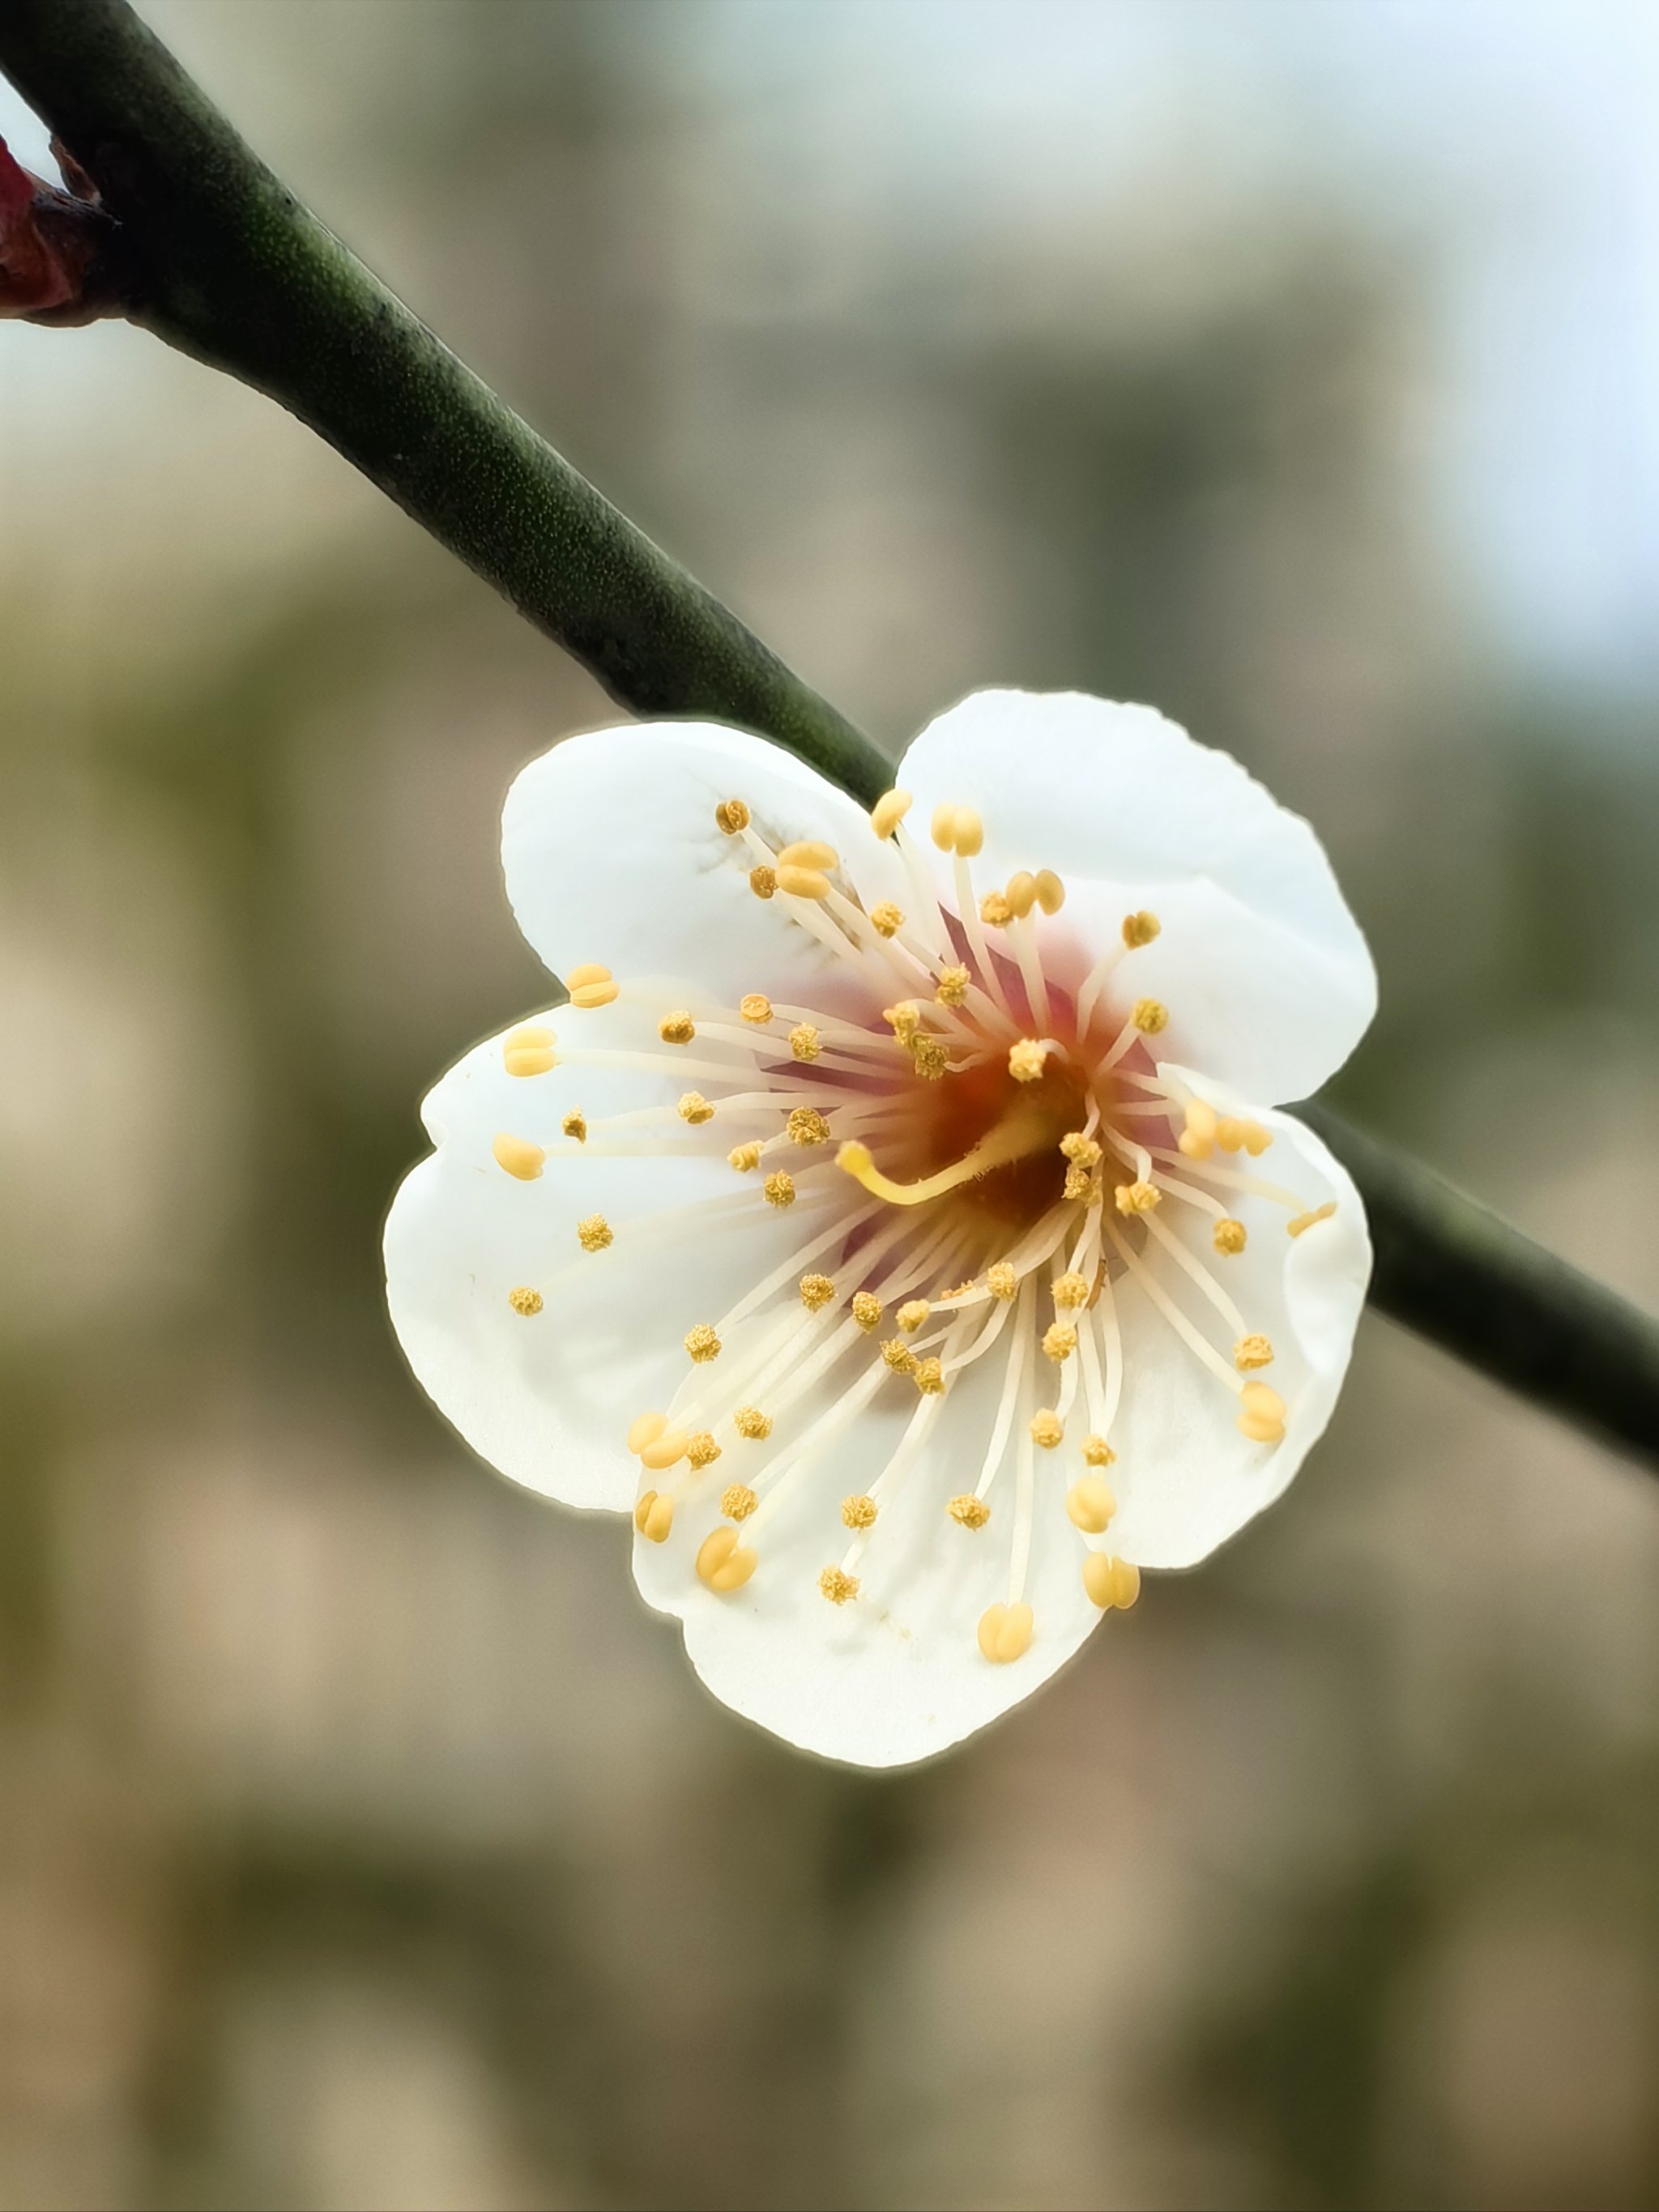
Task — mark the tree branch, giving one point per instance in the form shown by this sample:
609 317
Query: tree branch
220 260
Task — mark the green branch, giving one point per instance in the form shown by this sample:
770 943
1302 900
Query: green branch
217 258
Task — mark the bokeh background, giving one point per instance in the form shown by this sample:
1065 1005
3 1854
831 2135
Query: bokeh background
1291 363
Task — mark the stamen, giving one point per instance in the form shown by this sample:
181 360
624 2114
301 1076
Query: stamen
1111 1582
723 1563
889 811
591 984
911 1316
755 1007
1139 929
1045 1429
803 882
1091 1505
575 1126
1304 1221
886 919
677 1028
1025 1059
928 1376
518 1156
806 1126
653 1516
1005 1632
809 852
594 1233
866 1310
737 1501
803 1043
968 1511
1001 1280
1136 1197
1261 1413
952 986
744 1157
750 1421
1059 1341
732 816
1050 891
762 881
665 1452
524 1301
702 1344
817 1291
837 1586
859 1512
779 1188
1097 1452
1251 1352
1150 1016
1230 1236
529 1051
1070 1291
695 1109
702 1450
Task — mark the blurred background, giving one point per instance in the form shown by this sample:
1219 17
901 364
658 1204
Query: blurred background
364 1841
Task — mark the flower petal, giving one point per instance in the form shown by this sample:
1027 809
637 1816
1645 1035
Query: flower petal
547 1398
1259 958
612 853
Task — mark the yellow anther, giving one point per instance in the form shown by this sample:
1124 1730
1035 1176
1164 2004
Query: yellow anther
780 1188
839 1587
968 1511
1111 1582
928 1376
1230 1133
859 1512
1005 1632
574 1125
1001 1280
1261 1413
930 1058
945 828
755 1007
732 816
957 1290
589 971
815 1292
904 1019
745 1159
1256 1139
886 919
1136 1197
518 1156
1059 1341
806 1126
1150 1016
665 1452
1230 1237
899 1355
808 852
969 838
1046 1428
645 1429
1090 1505
695 1109
1197 1138
1252 1352
889 811
750 1421
1082 1152
1025 1060
529 1052
524 1301
994 911
803 1041
1303 1223
911 1315
677 1028
594 1232
1070 1291
952 986
1020 891
804 882
866 1310
762 881
1050 891
591 985
737 1501
1140 929
702 1344
1080 1187
723 1563
653 1516
1097 1452
702 1450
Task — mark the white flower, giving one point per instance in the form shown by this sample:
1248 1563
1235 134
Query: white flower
895 1221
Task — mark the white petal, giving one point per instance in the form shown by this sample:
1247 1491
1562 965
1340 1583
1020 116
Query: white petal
612 853
548 1399
1185 1478
896 1675
1260 961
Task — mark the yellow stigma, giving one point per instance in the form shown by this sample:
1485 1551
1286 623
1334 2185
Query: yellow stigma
744 1157
524 1301
1091 1505
755 1007
677 1028
591 984
1299 1227
1111 1582
529 1052
803 1041
1251 1352
737 1501
806 1126
1020 891
929 1057
866 1310
899 1355
859 1512
574 1125
762 881
994 911
780 1188
700 1450
1001 1280
804 882
886 919
1014 1138
644 1429
1230 1237
1059 1341
1050 891
732 816
815 1292
695 1109
594 1232
750 1421
904 1020
1140 929
1150 1016
809 852
1025 1060
839 1587
1005 1632
912 1313
928 1376
665 1452
1136 1197
518 1156
1047 1428
653 1516
968 1511
952 986
1097 1452
889 811
1069 1292
723 1563
1261 1413
702 1344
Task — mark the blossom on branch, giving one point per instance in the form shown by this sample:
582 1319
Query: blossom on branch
896 1221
